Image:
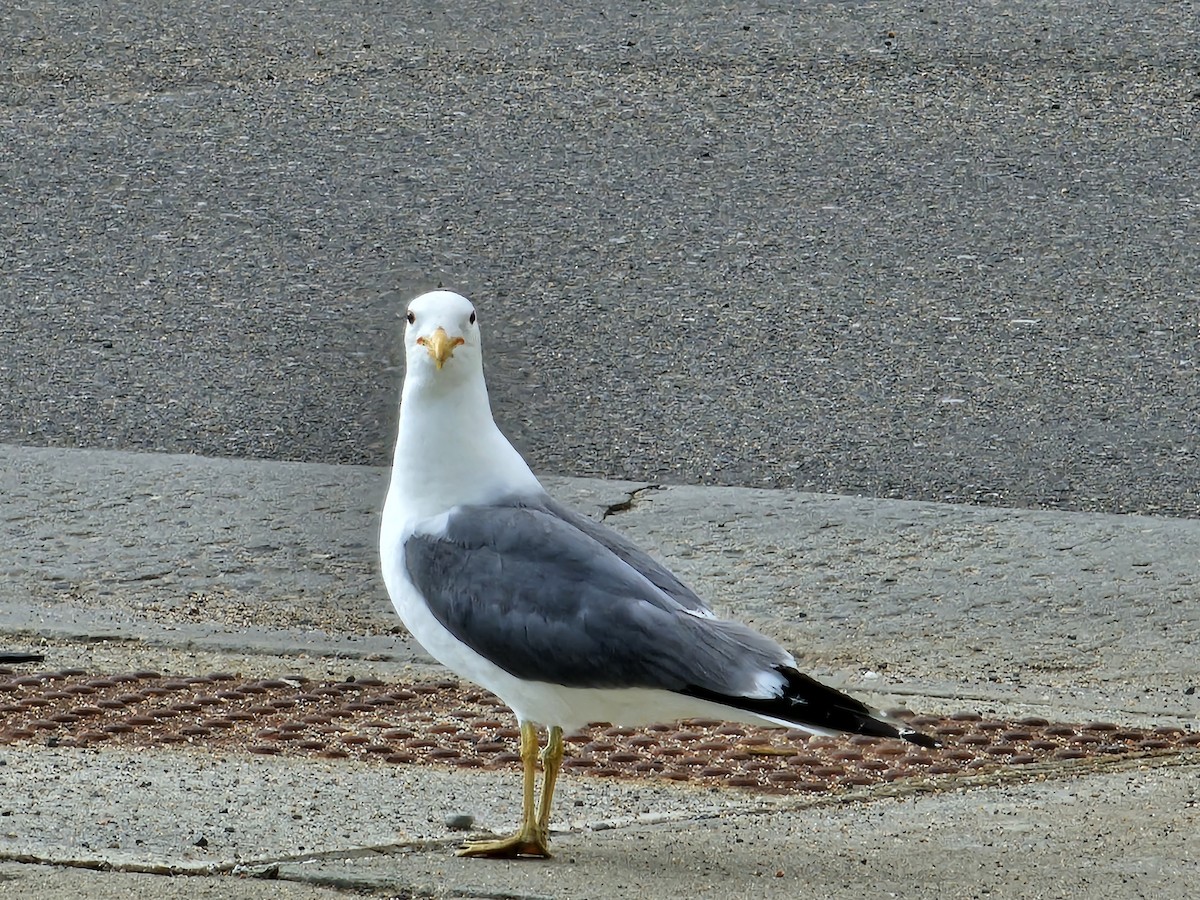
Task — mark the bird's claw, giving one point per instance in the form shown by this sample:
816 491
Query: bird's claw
516 846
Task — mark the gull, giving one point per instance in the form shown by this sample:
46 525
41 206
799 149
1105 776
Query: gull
561 617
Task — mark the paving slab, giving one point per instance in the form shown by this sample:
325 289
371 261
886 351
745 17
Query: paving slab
113 562
1125 829
187 551
1011 608
69 882
193 813
1112 835
1046 610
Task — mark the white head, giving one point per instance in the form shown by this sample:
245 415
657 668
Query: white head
441 342
449 451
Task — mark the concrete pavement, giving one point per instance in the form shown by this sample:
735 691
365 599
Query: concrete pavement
117 561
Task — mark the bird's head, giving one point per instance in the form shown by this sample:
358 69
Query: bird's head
442 337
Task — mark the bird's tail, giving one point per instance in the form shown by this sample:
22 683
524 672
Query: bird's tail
808 704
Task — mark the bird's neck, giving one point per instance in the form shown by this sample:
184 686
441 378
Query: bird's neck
449 451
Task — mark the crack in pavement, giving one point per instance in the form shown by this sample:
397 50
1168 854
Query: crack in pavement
631 500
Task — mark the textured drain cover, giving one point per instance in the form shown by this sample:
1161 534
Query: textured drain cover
449 724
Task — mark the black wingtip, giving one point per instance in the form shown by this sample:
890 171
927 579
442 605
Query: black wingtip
921 740
806 702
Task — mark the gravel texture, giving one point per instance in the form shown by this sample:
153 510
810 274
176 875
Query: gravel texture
943 252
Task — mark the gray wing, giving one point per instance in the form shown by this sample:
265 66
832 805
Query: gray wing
658 574
546 601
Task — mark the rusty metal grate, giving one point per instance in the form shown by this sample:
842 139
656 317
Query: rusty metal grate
449 724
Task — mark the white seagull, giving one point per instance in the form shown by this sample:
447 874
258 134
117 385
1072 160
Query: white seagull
561 617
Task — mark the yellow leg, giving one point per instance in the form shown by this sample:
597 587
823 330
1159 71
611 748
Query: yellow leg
552 758
530 840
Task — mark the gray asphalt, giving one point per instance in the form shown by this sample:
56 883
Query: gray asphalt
941 252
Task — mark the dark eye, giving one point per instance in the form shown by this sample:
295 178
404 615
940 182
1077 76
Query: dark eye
472 320
411 318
